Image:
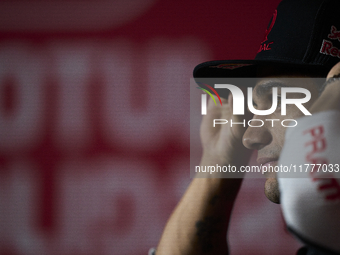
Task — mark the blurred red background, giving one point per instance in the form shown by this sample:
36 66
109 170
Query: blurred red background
94 122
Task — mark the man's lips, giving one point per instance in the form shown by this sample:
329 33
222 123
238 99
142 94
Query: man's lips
267 161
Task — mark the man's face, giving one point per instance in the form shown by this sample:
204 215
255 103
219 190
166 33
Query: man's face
268 140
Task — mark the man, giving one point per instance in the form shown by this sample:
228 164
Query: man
301 41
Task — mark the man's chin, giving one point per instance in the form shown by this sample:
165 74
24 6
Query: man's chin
271 190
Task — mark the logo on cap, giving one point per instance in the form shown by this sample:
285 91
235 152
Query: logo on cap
335 34
266 46
327 47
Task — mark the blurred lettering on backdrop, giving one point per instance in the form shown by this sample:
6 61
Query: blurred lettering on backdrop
94 122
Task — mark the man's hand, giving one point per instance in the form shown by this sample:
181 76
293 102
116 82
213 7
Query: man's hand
334 71
330 97
222 144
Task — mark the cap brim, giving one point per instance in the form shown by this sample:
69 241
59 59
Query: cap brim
245 69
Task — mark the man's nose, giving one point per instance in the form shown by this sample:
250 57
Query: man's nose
255 138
